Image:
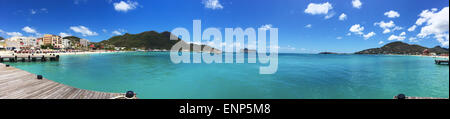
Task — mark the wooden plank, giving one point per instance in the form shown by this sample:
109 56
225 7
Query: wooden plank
19 84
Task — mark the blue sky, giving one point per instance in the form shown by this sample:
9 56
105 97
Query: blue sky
305 26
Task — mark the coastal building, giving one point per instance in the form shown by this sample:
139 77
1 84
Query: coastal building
119 48
39 42
54 40
84 43
426 52
2 44
21 43
66 44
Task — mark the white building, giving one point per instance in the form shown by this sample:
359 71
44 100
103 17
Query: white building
21 43
84 42
66 43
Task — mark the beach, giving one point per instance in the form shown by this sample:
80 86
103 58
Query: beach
3 53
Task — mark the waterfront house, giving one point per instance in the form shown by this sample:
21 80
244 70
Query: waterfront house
21 43
84 42
2 44
54 40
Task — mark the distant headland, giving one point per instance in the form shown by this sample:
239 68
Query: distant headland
402 48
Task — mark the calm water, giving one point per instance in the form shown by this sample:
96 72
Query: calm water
299 76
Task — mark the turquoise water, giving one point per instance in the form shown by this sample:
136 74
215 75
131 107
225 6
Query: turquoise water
299 76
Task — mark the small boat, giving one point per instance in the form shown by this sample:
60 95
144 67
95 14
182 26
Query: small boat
441 62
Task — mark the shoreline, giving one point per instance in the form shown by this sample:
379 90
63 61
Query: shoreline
3 53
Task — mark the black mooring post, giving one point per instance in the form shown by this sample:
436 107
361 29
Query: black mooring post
401 96
129 94
39 77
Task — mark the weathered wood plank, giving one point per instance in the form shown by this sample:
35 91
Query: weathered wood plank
19 84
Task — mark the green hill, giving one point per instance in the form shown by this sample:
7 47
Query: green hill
147 40
1 38
73 39
403 48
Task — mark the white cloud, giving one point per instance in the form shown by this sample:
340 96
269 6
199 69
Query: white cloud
83 30
32 11
62 34
308 26
392 14
425 16
316 9
349 34
437 24
13 33
266 27
367 36
343 17
400 37
413 39
28 29
330 15
212 4
357 29
381 42
356 4
412 28
38 11
123 6
339 38
1 31
387 26
386 31
116 33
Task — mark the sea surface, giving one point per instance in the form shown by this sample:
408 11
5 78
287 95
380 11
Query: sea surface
300 76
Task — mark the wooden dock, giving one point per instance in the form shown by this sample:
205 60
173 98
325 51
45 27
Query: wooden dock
19 84
29 58
441 62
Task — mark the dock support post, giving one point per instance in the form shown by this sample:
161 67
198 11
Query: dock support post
43 58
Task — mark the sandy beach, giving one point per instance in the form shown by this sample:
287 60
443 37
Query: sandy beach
3 53
442 57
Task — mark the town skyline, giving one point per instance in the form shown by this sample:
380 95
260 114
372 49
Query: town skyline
301 24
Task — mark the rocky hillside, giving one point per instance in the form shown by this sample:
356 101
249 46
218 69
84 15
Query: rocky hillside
148 40
403 48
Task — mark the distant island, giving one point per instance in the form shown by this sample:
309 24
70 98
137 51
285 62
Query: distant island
329 53
149 40
402 48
